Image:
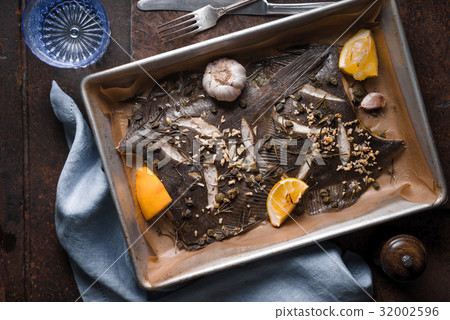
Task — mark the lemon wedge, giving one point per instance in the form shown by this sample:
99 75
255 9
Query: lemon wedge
151 193
359 56
283 198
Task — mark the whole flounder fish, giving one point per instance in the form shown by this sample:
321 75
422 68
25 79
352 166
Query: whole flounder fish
219 160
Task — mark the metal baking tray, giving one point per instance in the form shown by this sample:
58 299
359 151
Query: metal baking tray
259 37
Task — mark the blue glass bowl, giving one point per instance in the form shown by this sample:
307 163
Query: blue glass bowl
66 33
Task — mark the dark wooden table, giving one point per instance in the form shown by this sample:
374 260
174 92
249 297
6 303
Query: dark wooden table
34 267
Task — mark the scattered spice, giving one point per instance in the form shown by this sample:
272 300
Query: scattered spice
233 193
186 214
219 236
250 180
242 103
189 202
324 193
279 107
332 81
219 197
213 108
155 125
376 185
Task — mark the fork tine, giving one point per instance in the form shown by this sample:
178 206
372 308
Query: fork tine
191 28
181 36
176 19
168 28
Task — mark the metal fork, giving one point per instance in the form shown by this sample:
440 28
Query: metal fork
196 21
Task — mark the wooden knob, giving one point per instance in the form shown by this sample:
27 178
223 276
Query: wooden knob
403 257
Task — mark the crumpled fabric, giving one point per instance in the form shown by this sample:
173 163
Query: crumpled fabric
89 230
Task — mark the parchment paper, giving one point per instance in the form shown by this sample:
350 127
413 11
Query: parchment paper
412 179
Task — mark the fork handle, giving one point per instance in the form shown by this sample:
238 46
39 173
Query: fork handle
293 8
235 6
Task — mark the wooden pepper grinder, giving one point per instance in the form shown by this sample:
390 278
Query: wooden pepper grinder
403 257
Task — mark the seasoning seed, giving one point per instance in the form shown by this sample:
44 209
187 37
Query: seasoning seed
376 185
235 132
189 202
219 197
324 193
242 103
186 214
332 81
240 150
233 193
155 125
250 180
279 107
219 237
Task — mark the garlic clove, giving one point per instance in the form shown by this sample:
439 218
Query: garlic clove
224 79
373 101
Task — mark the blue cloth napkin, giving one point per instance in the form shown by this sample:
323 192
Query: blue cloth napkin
89 230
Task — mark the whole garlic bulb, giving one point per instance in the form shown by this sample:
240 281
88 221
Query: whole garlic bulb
224 79
373 100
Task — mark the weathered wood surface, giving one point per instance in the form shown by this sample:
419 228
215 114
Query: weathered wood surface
34 267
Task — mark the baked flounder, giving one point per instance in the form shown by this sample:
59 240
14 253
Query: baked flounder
219 160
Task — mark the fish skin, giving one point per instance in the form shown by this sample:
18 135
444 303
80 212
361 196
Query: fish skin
268 80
